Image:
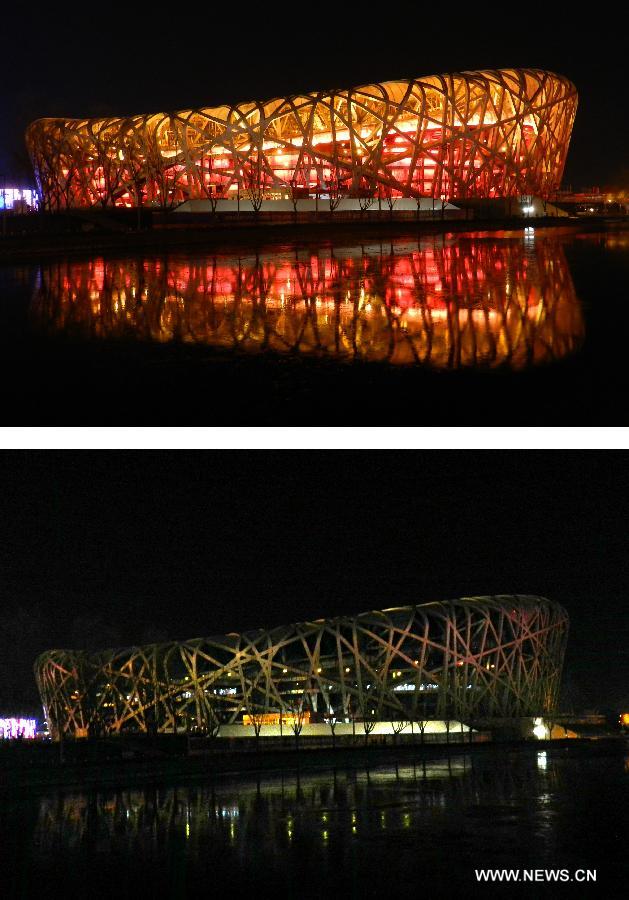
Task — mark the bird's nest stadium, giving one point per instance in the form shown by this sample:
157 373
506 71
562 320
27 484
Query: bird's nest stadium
484 134
467 659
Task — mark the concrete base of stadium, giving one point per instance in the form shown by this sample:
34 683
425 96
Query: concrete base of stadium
518 207
346 729
322 204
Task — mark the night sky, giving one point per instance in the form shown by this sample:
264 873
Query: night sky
95 60
105 549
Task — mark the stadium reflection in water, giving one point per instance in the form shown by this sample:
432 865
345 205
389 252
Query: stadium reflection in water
486 300
280 807
357 831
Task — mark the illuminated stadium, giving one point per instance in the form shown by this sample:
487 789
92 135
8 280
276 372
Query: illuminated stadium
467 659
486 134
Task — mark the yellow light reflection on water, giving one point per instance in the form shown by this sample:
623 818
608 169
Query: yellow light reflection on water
491 300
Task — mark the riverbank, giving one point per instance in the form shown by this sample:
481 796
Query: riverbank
234 234
135 770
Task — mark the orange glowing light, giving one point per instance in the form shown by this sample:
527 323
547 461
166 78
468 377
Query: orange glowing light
490 133
274 718
377 306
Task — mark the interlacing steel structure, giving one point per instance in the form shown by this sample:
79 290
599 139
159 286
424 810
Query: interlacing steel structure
483 134
475 657
492 302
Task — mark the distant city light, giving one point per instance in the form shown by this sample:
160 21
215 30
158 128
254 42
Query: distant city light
12 197
17 728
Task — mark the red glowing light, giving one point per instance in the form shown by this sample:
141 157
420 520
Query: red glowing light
506 135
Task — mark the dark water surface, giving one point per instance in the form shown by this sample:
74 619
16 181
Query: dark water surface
419 831
504 327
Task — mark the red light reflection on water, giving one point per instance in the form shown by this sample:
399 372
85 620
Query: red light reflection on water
445 302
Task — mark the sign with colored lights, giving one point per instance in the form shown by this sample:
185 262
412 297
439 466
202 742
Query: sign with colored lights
17 728
274 718
17 198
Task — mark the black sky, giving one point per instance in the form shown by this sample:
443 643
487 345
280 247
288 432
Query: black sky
116 548
102 60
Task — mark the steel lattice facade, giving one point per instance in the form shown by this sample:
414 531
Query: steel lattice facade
464 659
483 134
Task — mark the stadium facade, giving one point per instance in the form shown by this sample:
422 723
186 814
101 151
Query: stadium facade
485 134
466 659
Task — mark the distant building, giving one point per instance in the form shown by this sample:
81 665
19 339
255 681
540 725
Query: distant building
595 201
485 134
465 659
